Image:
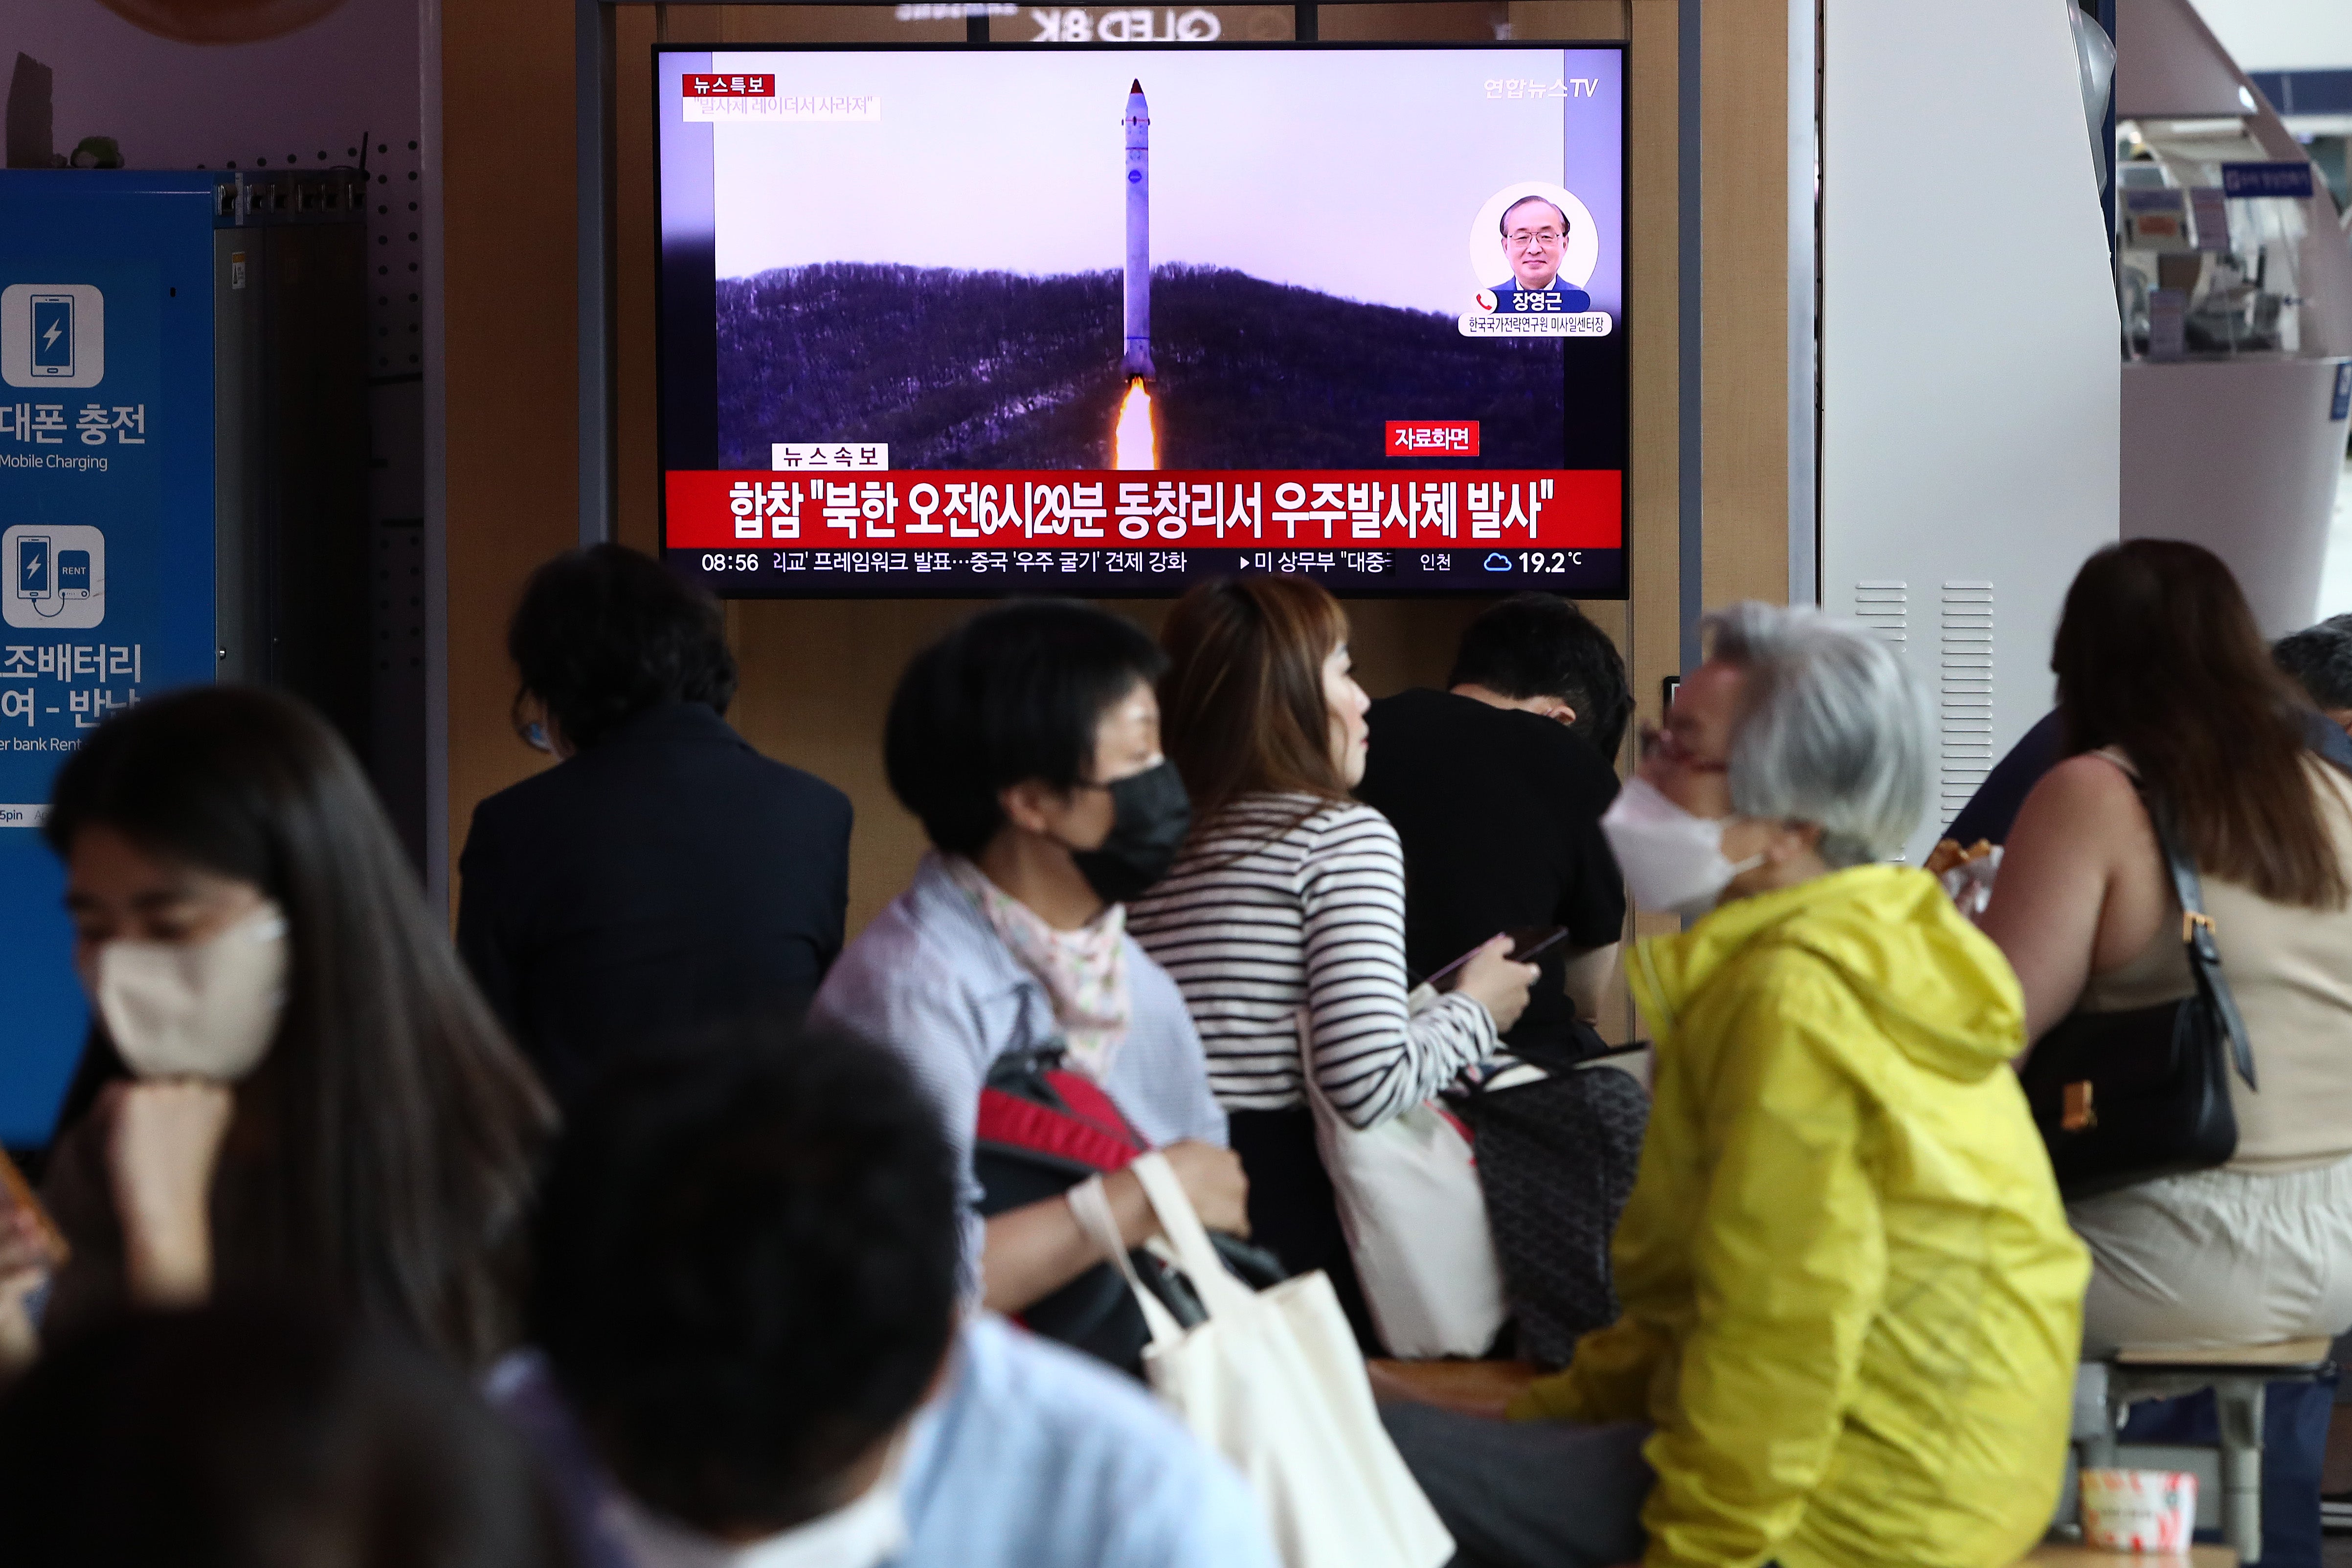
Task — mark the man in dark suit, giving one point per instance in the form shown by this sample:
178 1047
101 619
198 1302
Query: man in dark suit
1535 242
663 874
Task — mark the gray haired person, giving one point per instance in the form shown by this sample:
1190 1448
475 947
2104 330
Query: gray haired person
1840 1188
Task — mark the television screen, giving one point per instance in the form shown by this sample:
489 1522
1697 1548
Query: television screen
1105 321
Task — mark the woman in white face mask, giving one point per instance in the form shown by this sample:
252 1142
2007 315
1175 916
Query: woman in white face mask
291 1083
1839 1170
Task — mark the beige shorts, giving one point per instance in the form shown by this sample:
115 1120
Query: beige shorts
2219 1257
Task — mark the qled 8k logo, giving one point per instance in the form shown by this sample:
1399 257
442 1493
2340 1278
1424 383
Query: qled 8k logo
52 335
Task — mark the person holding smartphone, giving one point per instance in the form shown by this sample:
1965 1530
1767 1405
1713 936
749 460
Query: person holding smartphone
1496 786
1284 918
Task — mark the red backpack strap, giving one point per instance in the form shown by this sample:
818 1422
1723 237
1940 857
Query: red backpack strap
1084 1098
1008 1122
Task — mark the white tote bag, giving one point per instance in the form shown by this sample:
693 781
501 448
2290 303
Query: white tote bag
1273 1380
1415 1218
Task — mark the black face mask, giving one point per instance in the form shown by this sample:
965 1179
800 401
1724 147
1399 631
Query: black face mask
1151 813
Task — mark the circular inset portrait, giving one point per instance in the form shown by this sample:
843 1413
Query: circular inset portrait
1533 236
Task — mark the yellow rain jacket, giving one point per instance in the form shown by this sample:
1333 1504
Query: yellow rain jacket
1852 1306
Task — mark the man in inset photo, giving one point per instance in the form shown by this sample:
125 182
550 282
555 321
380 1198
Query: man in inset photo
1535 242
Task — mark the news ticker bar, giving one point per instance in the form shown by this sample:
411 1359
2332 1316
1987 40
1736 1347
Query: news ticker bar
1121 511
766 572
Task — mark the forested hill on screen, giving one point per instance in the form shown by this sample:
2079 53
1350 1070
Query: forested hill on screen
1252 375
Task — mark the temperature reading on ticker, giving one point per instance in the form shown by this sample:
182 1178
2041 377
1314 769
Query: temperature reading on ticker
1550 560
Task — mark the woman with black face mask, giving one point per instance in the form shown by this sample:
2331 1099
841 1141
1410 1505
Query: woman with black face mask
1027 741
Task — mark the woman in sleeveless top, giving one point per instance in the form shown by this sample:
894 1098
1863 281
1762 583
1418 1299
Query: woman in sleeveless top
2165 687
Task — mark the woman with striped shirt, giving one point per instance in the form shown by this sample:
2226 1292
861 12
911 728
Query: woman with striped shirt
1283 922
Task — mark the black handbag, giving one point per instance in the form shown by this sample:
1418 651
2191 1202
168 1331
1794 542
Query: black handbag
2126 1098
1556 1161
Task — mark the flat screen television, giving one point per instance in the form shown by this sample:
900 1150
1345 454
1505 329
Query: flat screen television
1105 320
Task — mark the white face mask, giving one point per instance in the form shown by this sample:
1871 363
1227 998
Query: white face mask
865 1533
201 1009
1672 861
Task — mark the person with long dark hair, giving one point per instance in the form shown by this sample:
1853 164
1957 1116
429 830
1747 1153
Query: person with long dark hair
2168 697
1283 920
298 1088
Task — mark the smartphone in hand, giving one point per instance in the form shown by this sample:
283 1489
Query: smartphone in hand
1528 943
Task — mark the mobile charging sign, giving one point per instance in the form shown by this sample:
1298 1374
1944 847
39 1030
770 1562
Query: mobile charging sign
106 535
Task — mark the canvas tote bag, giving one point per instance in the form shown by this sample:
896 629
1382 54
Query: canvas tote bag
1414 1214
1415 1219
1273 1380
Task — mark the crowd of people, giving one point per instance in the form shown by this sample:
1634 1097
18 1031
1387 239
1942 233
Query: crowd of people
658 1220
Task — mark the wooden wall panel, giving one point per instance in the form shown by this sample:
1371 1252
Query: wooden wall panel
1745 395
816 677
509 356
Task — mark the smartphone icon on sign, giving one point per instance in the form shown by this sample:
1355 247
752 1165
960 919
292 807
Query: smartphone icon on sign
53 334
33 567
73 574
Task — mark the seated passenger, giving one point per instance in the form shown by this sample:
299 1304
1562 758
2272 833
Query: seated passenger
663 873
257 1435
1027 741
1283 919
2320 659
2167 694
300 1089
747 1297
1851 1302
1496 787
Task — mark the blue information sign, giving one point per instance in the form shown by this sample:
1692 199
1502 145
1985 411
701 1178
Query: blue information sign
2290 178
106 534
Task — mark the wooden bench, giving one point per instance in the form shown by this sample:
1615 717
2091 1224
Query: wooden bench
2237 1374
1486 1387
2060 1554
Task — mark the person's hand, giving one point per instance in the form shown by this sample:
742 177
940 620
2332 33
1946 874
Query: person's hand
1213 1179
1498 983
26 1259
164 1140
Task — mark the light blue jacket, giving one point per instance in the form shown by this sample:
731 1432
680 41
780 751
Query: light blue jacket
1033 1457
931 979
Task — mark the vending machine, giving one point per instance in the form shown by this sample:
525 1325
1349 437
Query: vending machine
183 458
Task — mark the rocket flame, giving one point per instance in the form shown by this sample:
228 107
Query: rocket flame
1132 442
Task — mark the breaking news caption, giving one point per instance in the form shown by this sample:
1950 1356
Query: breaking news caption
915 533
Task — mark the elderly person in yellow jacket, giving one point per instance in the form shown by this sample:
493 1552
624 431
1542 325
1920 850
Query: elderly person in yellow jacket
1850 1303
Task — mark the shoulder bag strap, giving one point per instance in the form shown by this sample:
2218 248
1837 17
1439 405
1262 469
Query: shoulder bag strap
2197 937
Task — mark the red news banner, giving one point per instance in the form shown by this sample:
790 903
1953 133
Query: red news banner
974 510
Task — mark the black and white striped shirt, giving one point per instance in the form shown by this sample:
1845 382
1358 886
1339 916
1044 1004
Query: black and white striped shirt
1285 901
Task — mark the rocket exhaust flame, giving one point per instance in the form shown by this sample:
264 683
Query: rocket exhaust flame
1133 446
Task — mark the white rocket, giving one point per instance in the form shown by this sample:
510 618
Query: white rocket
1137 125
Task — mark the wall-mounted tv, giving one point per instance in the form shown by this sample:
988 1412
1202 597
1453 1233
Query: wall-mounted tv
955 321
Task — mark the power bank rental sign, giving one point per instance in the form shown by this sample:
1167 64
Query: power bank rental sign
106 536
